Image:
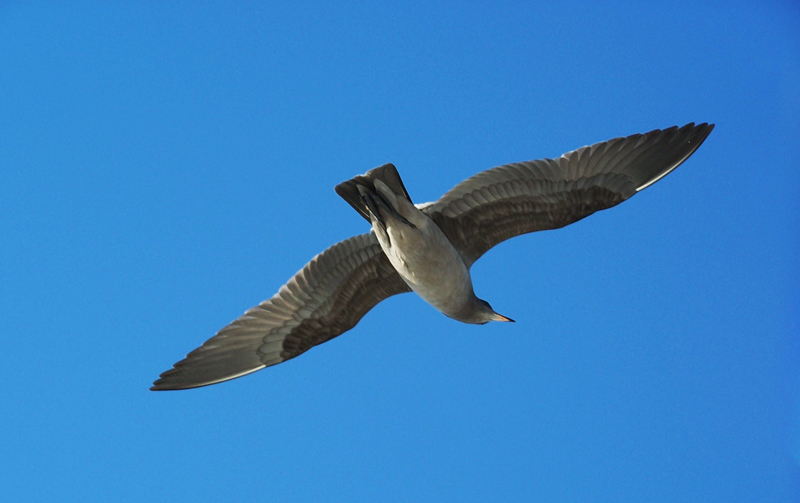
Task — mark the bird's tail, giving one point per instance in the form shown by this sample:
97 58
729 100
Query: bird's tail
361 194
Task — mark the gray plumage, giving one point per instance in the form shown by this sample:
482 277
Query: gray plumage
410 247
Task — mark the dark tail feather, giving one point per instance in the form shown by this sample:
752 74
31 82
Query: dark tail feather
349 190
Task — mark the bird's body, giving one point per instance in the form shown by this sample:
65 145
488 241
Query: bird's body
418 249
430 248
427 261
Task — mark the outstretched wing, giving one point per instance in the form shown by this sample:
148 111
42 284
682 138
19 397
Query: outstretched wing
324 299
515 199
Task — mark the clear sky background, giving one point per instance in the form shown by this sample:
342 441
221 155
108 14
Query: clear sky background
165 166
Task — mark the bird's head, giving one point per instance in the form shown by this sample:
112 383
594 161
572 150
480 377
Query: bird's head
483 313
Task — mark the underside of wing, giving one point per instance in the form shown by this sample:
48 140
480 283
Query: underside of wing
324 299
515 199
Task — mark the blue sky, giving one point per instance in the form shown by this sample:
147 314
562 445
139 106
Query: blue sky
165 166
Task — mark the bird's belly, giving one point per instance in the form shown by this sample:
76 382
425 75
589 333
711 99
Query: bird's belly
429 264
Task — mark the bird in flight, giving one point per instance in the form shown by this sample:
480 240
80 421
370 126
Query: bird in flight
429 248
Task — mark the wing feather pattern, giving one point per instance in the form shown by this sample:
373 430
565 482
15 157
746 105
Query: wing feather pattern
518 198
324 299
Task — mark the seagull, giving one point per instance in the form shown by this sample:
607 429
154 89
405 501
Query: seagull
429 248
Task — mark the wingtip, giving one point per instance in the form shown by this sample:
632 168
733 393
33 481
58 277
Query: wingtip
703 127
160 385
693 137
174 379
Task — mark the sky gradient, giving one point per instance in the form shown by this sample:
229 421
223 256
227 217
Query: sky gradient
164 167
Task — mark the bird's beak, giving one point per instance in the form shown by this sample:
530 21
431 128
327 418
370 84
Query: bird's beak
500 317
